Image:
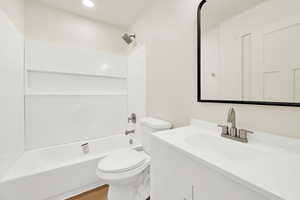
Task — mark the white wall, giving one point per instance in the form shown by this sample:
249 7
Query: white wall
169 30
11 92
14 9
58 26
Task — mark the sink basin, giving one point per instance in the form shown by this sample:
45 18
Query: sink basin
222 146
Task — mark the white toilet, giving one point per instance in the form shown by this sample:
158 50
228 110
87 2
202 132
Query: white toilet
126 170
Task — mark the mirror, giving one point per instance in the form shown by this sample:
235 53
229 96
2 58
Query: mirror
249 52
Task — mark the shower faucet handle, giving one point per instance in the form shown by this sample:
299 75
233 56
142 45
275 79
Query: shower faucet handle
132 118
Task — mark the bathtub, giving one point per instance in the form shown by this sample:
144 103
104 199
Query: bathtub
61 171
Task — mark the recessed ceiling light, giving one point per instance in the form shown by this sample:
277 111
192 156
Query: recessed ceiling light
88 3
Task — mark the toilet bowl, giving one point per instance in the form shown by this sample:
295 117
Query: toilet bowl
128 171
124 171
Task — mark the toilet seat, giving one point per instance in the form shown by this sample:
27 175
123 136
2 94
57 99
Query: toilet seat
123 164
122 161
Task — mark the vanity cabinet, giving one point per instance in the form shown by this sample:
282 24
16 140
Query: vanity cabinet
175 175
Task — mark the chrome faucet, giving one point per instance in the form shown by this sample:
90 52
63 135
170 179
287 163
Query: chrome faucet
131 120
231 119
128 132
231 132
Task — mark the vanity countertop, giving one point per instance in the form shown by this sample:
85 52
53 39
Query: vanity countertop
267 164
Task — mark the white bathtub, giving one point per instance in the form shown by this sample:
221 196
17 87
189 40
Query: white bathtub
59 172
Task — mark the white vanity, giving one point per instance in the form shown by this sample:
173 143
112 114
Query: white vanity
196 163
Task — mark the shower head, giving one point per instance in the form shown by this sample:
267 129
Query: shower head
128 38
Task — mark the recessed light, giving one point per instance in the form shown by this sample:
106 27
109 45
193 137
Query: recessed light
88 3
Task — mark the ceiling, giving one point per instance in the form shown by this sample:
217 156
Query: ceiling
121 13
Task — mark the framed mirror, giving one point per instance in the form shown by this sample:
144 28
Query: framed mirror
249 52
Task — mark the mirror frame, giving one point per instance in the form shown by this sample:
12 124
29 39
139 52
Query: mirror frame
199 97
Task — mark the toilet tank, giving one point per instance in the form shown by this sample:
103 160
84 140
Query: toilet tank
148 127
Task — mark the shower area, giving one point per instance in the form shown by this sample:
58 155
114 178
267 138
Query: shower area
70 84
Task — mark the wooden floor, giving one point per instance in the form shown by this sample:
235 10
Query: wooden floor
96 194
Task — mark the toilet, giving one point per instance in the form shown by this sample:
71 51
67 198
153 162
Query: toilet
126 170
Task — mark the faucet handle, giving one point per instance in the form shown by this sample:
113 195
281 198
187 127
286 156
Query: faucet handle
243 133
224 129
132 118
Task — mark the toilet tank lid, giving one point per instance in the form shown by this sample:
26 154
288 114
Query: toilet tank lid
156 123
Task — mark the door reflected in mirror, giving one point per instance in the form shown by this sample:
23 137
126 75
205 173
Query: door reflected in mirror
250 51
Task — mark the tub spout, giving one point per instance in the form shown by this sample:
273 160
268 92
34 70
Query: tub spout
128 132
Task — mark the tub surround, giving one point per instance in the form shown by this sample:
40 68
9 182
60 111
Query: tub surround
83 85
11 89
267 165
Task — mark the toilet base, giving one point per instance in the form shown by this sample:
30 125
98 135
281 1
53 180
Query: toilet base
121 192
137 188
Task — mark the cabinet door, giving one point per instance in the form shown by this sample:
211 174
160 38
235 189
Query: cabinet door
175 176
216 189
168 177
209 184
